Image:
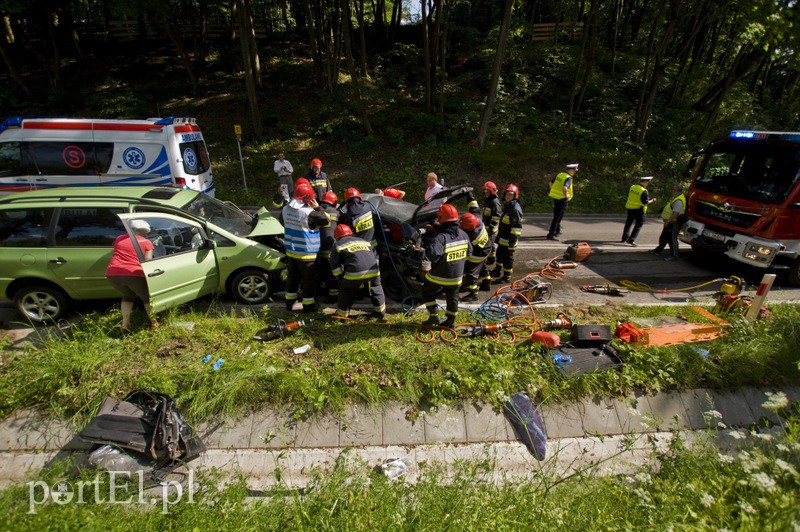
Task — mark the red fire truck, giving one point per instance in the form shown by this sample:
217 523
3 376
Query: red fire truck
744 200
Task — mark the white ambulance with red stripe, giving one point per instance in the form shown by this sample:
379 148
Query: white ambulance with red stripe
38 153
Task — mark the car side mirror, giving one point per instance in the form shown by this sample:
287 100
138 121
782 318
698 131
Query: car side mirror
209 244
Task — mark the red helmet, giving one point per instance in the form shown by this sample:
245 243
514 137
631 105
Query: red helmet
330 197
341 231
511 188
301 181
447 213
316 162
490 186
468 222
351 193
303 192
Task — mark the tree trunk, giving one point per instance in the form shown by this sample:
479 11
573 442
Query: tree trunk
617 13
200 58
247 64
12 68
426 56
55 50
686 49
636 21
659 66
248 30
312 40
591 29
722 89
107 21
496 69
344 8
362 36
174 35
437 47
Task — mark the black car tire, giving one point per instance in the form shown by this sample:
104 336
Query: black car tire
393 286
252 286
794 273
41 304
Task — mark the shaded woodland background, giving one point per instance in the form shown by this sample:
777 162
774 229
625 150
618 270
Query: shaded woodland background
385 91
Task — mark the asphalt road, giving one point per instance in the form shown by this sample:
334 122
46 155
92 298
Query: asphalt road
610 263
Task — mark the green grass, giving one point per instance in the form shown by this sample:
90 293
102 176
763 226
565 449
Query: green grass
365 362
684 487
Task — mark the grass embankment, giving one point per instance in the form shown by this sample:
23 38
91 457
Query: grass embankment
682 487
367 362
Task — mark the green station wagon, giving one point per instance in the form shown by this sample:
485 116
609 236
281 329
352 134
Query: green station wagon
55 246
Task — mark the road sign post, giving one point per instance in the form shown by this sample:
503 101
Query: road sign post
237 130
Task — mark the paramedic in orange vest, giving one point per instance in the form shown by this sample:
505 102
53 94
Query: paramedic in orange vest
636 204
561 192
673 216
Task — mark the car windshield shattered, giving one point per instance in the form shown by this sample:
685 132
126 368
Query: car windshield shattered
224 215
753 172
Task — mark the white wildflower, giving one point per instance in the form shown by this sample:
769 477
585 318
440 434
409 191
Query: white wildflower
712 414
763 436
782 448
736 434
775 401
503 374
501 396
785 466
721 425
707 500
643 478
746 508
763 482
643 495
725 458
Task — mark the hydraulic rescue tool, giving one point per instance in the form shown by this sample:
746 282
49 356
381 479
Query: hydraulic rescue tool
604 289
279 330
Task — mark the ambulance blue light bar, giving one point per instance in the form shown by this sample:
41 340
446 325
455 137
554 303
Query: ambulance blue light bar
14 121
764 135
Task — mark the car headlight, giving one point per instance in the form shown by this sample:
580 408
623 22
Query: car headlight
758 252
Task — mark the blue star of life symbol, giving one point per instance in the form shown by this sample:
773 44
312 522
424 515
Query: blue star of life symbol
133 157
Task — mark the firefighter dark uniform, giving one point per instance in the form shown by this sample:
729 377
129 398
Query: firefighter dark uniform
358 215
327 283
318 179
636 205
562 181
354 262
302 242
445 255
491 219
508 234
481 247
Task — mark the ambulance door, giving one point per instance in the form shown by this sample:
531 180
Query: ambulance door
141 162
183 266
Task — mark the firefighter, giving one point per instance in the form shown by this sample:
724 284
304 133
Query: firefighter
358 215
481 247
354 262
318 179
674 217
443 267
327 283
302 217
636 204
561 192
508 234
491 218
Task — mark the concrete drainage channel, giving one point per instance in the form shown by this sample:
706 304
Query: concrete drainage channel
272 450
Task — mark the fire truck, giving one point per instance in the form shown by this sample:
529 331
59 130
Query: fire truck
744 200
40 153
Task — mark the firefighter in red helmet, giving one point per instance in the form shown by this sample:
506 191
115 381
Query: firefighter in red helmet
358 215
355 264
327 284
491 220
481 246
508 234
302 219
443 267
318 179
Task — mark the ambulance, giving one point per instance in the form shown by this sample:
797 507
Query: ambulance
39 153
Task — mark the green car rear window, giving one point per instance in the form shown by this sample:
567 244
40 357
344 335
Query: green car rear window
25 227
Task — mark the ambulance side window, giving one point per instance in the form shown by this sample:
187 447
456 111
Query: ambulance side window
103 153
71 158
10 159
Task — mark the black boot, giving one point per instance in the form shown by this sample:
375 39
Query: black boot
506 279
450 322
471 297
497 272
486 285
432 321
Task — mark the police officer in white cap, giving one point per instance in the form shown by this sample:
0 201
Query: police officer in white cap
636 204
561 192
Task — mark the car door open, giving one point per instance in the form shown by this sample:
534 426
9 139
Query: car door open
184 265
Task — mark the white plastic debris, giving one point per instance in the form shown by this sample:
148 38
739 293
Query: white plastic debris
302 349
394 467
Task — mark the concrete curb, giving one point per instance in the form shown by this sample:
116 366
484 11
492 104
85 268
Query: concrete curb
259 442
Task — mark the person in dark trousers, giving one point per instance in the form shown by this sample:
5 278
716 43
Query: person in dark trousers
481 246
327 284
357 213
302 217
125 273
636 204
445 254
491 220
561 192
318 179
355 263
508 234
674 216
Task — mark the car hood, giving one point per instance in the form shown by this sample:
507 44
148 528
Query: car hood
415 215
266 224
